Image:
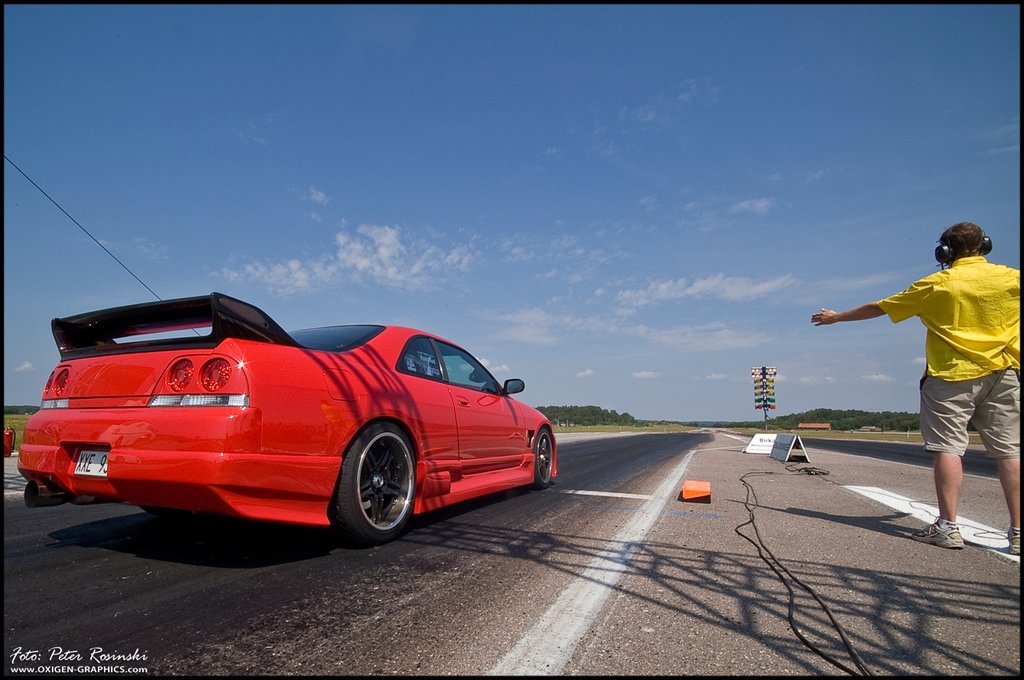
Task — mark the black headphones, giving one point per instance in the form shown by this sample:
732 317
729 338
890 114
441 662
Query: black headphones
945 255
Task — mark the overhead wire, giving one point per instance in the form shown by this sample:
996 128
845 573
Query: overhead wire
78 224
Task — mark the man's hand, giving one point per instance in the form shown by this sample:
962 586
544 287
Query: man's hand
825 317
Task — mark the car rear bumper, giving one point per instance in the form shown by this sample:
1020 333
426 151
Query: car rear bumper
292 489
173 461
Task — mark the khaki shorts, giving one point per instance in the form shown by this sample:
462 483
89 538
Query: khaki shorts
992 403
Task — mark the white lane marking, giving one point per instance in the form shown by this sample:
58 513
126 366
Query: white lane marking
548 646
581 492
733 436
972 532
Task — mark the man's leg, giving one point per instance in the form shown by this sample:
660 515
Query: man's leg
1009 478
998 421
949 476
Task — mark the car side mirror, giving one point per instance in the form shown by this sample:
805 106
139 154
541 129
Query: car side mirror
513 386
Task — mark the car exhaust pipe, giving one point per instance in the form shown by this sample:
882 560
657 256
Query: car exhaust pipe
37 496
41 496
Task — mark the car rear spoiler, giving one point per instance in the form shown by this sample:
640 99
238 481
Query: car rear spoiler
112 331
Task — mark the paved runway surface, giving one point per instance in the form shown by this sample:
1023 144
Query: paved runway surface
791 568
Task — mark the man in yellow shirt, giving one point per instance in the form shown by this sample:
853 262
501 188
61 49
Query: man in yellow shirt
972 312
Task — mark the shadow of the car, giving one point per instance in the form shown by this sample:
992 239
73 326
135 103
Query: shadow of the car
219 541
208 540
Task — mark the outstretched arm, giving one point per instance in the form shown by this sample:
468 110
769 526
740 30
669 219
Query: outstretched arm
827 317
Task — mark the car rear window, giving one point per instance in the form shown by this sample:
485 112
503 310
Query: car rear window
335 338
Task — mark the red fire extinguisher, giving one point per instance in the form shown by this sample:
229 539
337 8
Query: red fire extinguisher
8 441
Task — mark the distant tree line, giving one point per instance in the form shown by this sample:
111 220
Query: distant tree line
19 410
887 421
837 419
595 415
585 415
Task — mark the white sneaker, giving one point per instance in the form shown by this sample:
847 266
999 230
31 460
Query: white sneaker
944 538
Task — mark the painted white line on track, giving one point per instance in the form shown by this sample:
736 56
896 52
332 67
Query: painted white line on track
734 436
972 532
581 492
548 646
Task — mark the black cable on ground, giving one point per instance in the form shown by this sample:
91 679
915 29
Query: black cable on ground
808 470
762 550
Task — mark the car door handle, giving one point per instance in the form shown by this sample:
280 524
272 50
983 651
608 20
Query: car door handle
463 401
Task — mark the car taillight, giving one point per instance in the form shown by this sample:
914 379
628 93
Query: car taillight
60 381
180 375
219 383
54 388
215 374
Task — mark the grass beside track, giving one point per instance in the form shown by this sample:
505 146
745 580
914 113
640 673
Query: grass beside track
17 423
913 436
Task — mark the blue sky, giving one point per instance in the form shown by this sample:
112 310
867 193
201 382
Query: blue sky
626 206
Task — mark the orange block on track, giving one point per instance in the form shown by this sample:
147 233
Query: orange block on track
696 491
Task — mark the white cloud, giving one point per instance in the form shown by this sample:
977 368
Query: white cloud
818 379
733 288
316 196
688 90
1008 136
877 377
24 366
529 326
641 114
374 253
250 135
648 203
829 286
1011 150
813 293
515 251
586 373
815 176
535 326
285 278
379 254
756 206
691 90
702 338
499 368
645 375
151 250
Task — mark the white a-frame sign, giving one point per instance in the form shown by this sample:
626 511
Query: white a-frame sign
789 447
760 443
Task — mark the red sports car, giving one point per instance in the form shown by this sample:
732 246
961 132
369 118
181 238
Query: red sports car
205 404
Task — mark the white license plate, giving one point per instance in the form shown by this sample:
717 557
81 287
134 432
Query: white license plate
91 464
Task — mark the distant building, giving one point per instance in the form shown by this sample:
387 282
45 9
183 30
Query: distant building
814 426
870 428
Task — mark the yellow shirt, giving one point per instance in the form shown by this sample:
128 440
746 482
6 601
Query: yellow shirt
972 313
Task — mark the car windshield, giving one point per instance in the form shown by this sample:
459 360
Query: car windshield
335 338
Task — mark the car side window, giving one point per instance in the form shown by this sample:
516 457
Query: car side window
464 370
418 358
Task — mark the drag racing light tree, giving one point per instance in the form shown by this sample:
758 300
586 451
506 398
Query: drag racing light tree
764 390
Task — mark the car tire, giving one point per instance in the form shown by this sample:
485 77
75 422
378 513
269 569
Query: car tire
543 458
376 488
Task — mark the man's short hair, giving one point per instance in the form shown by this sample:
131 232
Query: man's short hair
963 238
